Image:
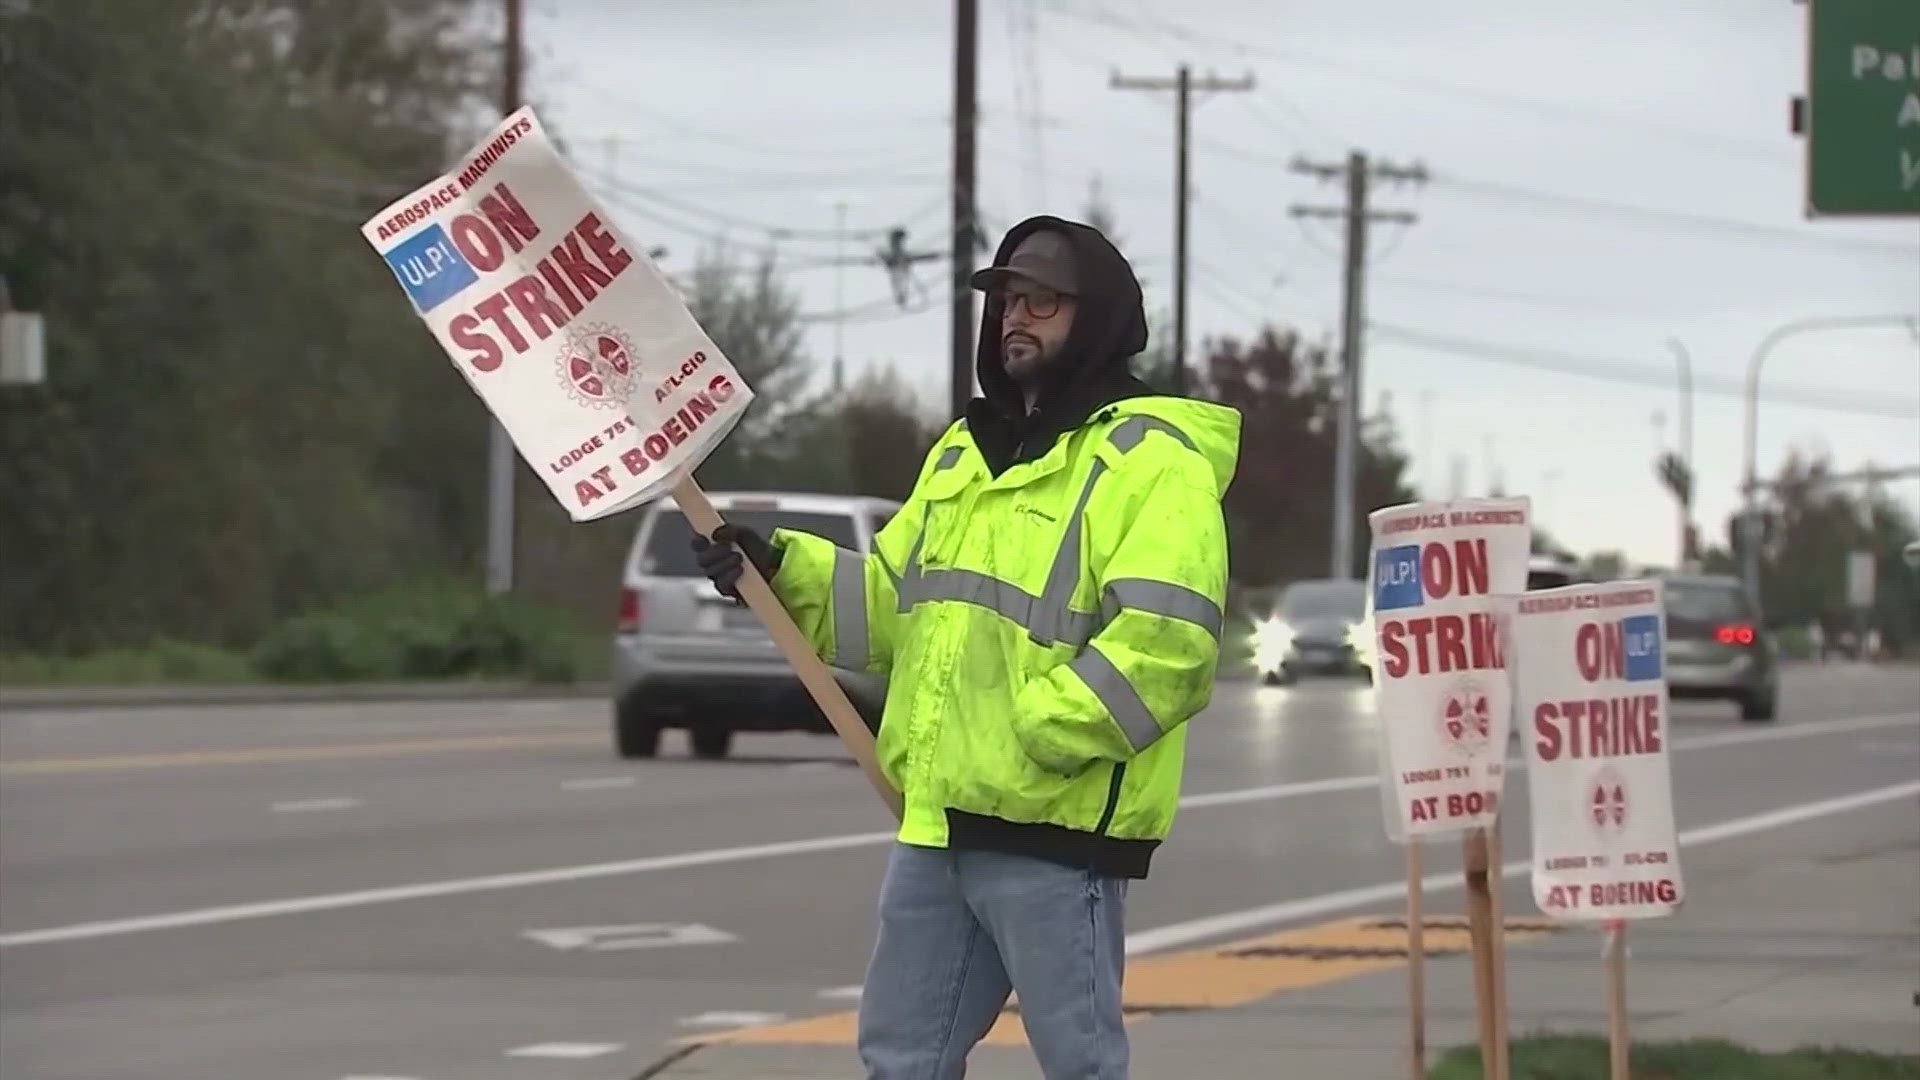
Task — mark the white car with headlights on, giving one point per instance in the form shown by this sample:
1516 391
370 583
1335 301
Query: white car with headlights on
1318 627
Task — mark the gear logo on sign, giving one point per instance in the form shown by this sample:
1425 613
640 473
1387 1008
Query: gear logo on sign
1607 801
596 366
1466 718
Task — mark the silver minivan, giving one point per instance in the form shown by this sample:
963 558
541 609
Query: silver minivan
686 657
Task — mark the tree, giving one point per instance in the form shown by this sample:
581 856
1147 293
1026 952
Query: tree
242 417
754 318
887 435
868 440
1279 506
1605 566
1810 526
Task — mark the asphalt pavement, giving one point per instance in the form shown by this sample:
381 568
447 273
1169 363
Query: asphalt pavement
480 890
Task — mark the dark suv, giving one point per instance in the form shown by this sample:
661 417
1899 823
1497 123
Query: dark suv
1716 647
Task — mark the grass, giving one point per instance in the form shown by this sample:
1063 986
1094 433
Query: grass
1575 1057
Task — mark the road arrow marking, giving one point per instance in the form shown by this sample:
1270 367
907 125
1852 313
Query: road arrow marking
635 936
596 783
725 1019
576 1051
309 806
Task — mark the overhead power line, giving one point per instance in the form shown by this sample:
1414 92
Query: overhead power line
1609 369
1661 216
1156 30
777 232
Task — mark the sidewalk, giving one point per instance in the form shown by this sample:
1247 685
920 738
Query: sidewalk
1788 939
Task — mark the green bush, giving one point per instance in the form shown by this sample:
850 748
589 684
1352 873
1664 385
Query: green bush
166 660
1794 642
1578 1057
439 628
436 629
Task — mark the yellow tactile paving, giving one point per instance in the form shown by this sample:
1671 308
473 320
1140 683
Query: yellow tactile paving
1219 976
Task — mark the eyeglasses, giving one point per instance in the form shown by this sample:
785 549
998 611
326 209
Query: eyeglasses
1041 303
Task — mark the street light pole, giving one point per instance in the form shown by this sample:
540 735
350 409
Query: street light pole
1686 450
1750 486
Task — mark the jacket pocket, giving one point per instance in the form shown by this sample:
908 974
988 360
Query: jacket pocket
941 534
982 765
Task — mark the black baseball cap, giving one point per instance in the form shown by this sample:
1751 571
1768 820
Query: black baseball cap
1045 257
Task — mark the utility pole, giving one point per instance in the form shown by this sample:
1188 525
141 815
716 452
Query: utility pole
1183 85
1360 174
839 292
1677 471
500 452
966 40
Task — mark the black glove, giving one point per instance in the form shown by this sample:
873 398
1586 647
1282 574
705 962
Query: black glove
720 558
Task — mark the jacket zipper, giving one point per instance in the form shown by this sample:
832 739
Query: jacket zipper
1113 798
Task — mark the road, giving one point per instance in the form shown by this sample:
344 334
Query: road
480 891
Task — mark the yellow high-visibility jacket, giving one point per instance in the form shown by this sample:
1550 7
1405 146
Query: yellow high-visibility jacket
1046 632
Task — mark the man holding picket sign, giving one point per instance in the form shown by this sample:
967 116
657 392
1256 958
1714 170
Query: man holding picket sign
1047 605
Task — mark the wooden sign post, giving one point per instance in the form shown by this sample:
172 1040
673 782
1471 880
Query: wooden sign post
1484 936
1416 964
813 672
1497 954
1605 847
1618 1047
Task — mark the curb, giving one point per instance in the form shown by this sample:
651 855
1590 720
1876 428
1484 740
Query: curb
24 699
106 697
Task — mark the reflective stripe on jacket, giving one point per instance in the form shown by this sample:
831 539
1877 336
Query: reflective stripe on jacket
1046 632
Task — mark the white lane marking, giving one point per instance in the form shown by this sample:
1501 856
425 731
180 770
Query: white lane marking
1192 931
1693 742
1887 746
595 783
724 1018
425 890
1233 922
358 1077
715 856
312 806
1798 731
573 1051
843 993
812 766
635 936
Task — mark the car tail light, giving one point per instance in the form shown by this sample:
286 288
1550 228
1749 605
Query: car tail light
629 610
1736 634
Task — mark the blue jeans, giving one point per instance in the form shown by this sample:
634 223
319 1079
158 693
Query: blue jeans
959 930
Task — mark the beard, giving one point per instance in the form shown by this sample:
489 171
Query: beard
1022 355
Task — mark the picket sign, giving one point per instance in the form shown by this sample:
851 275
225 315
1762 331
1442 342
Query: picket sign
1434 578
583 351
1440 681
1589 674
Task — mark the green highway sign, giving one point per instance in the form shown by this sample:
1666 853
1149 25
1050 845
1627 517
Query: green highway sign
1862 118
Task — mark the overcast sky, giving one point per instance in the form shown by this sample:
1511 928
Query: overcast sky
1549 134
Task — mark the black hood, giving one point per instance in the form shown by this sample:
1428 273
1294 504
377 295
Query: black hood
1109 329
